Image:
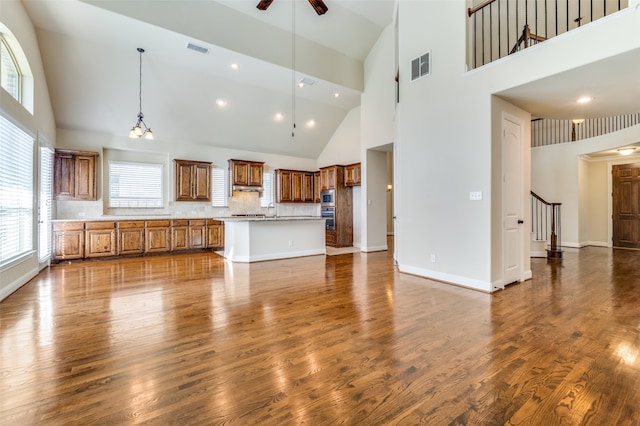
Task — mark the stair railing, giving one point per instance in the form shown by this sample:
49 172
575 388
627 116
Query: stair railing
495 25
545 224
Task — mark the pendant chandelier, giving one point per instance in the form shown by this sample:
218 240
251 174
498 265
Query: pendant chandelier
140 129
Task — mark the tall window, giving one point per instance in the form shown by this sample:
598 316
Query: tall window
16 191
135 185
219 186
267 194
46 201
9 71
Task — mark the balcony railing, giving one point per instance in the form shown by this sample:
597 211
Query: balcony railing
498 28
548 132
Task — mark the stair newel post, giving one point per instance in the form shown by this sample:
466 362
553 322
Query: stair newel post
554 236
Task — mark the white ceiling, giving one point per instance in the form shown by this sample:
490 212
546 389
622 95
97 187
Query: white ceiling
91 65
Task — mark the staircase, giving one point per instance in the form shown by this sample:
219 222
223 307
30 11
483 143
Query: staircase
545 228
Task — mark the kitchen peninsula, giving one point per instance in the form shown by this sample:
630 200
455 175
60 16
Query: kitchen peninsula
253 239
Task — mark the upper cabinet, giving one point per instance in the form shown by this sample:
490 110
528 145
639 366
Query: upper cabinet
246 173
295 186
331 177
193 180
352 174
74 175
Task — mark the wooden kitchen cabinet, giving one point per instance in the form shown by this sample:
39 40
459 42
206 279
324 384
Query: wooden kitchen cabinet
246 173
197 233
215 234
294 186
193 180
179 235
352 174
131 237
316 187
100 239
331 177
157 236
68 240
74 175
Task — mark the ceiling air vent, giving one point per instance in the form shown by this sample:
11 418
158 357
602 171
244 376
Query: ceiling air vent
197 48
421 66
306 81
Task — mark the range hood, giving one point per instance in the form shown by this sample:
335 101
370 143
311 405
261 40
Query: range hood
246 188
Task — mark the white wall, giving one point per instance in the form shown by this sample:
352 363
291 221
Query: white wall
344 146
14 17
596 203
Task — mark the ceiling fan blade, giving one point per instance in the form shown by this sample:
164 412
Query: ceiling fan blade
264 4
319 6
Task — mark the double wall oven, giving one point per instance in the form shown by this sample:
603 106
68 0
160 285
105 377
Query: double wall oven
329 213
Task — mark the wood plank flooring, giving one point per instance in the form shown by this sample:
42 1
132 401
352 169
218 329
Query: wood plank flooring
192 339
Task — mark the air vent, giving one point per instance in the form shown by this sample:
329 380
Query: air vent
197 48
421 66
307 81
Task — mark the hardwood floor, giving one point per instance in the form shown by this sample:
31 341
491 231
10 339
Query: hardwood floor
193 339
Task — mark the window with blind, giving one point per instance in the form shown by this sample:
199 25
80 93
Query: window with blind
219 185
16 191
267 196
135 185
46 201
9 71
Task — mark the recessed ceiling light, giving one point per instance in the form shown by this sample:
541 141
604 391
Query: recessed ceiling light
235 66
311 123
221 102
300 84
585 99
279 116
336 95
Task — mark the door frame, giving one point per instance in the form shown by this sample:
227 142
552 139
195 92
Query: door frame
631 159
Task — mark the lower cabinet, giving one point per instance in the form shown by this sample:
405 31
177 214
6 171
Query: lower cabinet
68 240
100 239
131 237
83 240
215 234
157 236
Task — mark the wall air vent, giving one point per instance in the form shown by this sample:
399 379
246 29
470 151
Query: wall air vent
421 66
197 48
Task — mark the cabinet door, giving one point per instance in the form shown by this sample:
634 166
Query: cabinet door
284 186
179 235
307 188
296 186
64 181
215 235
201 182
85 175
131 237
240 173
317 185
197 234
100 243
184 181
68 244
157 236
331 178
255 174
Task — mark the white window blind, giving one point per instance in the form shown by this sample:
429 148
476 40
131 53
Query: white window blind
267 194
135 185
219 187
46 200
16 191
9 71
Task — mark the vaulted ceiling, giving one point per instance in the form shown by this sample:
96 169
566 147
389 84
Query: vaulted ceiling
91 63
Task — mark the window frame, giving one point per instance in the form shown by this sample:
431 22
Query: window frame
140 201
19 74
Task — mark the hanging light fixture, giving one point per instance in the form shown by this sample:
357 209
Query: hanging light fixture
140 129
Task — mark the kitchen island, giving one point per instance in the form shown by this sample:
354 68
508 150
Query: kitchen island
253 239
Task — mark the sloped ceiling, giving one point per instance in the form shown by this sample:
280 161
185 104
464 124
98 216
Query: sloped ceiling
92 68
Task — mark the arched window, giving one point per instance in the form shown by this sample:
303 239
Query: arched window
15 74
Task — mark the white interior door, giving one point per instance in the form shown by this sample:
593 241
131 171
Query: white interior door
512 200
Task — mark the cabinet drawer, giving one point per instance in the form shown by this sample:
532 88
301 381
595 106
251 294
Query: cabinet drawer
179 223
157 223
131 224
68 226
99 225
197 222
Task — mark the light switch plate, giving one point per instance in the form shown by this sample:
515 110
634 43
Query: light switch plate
475 195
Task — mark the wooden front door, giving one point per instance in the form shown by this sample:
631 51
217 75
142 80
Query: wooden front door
626 205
